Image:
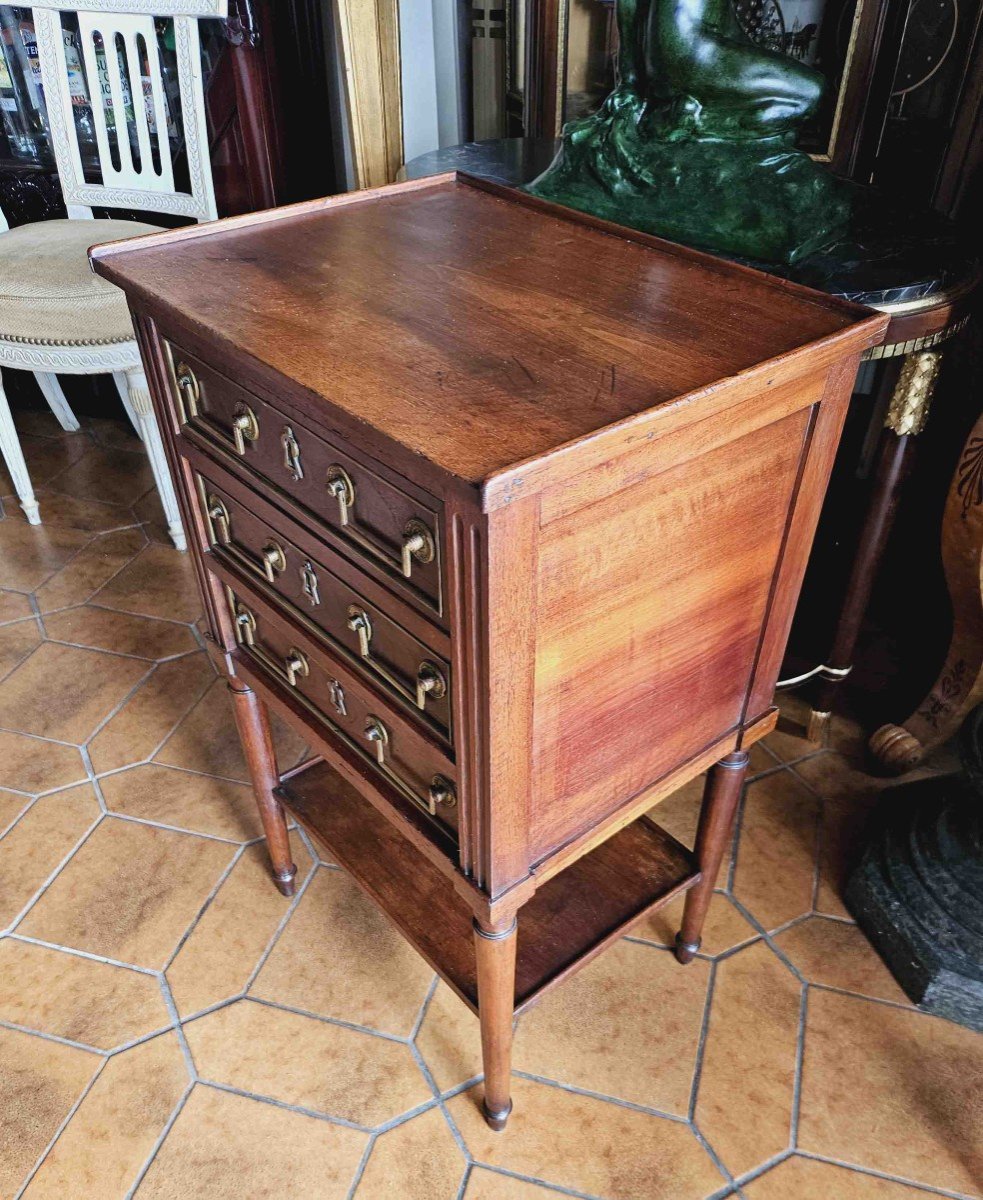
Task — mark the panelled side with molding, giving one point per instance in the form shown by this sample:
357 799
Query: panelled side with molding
507 511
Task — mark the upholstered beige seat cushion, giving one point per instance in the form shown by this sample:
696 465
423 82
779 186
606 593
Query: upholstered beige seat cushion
48 294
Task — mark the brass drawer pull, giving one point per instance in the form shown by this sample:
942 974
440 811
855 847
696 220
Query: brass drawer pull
218 514
358 622
245 427
340 485
378 735
441 791
273 560
430 681
295 667
245 626
308 583
189 391
291 454
417 545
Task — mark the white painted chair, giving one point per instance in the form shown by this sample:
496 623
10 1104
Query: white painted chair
56 316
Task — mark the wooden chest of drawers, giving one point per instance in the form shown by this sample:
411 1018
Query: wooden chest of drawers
507 510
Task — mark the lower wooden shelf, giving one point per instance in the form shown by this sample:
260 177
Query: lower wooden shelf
569 920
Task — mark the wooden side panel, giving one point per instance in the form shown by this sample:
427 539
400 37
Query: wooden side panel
824 437
651 604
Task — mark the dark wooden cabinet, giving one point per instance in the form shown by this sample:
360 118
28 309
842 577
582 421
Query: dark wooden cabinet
507 510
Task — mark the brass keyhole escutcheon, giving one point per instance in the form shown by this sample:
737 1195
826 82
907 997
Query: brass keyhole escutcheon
291 454
308 583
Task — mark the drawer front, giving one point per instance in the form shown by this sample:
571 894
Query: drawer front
400 756
408 671
378 524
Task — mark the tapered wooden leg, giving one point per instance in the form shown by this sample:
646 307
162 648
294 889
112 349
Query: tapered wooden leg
253 723
494 949
720 797
907 413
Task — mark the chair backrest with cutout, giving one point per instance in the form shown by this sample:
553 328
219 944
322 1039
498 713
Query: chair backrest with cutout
134 125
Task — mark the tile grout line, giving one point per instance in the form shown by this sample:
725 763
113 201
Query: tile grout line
243 843
281 926
363 1162
14 1027
60 1130
631 1105
335 1021
300 1109
800 1044
856 1168
161 1138
729 1182
203 907
701 1043
25 911
77 953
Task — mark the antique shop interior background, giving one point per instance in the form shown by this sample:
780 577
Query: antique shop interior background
311 98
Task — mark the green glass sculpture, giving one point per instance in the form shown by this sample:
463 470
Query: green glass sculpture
696 142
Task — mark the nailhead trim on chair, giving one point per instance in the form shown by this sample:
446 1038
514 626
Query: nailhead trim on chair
29 341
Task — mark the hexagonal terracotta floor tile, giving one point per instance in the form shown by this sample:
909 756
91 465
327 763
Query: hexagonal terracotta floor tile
124 633
39 1083
77 998
65 693
115 1128
837 954
774 875
228 1147
418 1160
130 892
627 1025
589 1145
308 1063
747 1084
340 957
894 1090
219 956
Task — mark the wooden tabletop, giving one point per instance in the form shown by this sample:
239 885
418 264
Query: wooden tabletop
478 328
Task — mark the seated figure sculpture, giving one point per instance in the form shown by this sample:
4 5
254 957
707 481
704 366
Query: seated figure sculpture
696 142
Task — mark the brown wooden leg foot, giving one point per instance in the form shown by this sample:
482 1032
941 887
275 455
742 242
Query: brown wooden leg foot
253 723
720 797
494 948
686 951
